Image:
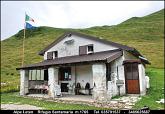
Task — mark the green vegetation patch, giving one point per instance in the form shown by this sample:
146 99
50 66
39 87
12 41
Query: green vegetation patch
155 92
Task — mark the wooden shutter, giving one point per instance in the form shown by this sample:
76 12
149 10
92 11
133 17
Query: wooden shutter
49 55
82 50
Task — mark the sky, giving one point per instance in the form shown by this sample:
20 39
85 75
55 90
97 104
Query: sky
71 14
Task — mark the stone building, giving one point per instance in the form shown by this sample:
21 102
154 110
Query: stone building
77 64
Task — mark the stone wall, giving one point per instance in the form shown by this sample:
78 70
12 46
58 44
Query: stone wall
117 73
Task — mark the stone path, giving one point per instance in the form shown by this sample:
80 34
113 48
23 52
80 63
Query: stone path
19 107
125 102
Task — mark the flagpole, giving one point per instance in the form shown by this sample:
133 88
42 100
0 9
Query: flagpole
23 45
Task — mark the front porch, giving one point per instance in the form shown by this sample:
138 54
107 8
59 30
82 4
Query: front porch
94 80
92 74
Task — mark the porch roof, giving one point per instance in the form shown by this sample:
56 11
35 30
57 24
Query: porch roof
104 56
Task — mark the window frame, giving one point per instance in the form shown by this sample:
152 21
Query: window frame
83 50
35 75
90 46
55 54
49 57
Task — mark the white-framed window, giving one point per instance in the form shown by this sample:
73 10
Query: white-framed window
90 49
36 74
55 54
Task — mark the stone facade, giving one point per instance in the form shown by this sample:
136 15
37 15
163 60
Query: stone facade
73 49
93 73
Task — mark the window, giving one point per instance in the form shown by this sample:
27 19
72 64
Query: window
52 55
49 55
30 74
90 48
55 54
82 50
65 73
87 49
36 74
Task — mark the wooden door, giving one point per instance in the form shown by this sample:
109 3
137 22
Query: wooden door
132 78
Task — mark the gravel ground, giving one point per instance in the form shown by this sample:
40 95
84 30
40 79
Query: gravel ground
19 107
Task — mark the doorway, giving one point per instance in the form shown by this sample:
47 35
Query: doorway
132 78
64 78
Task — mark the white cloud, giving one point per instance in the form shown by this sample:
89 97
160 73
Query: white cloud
71 14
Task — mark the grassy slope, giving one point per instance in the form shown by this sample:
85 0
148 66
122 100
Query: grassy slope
155 92
145 33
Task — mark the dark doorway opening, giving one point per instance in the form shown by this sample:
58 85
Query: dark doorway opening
65 74
132 78
46 75
64 87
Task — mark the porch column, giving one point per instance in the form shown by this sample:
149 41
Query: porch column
99 81
52 80
142 80
23 82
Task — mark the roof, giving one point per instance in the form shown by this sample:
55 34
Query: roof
124 47
106 56
132 61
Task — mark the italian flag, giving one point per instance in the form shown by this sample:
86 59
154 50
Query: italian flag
28 18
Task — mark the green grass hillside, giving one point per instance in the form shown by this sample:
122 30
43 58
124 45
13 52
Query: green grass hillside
146 34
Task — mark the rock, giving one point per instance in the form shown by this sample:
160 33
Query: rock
127 107
161 101
130 104
139 98
113 102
